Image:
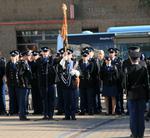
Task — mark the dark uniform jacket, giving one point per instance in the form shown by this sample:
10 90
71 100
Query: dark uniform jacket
109 75
118 63
11 71
34 69
88 74
57 69
66 80
23 75
127 63
46 72
95 73
137 82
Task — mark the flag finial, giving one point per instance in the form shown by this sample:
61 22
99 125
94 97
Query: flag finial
64 7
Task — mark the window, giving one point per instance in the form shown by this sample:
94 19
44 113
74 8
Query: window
33 39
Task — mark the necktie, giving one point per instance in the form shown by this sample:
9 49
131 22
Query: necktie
14 65
84 65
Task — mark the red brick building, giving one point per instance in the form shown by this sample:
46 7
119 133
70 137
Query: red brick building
36 22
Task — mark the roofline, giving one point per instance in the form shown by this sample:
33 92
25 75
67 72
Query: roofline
125 29
100 33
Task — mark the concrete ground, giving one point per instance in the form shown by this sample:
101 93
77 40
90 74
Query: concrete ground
98 126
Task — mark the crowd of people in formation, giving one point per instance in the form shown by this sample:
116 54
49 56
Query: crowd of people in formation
86 78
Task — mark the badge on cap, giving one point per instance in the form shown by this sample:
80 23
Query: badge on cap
35 53
25 53
12 53
61 51
84 53
111 50
69 51
17 52
91 49
44 49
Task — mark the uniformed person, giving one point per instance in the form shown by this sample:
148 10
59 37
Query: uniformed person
46 81
60 103
68 75
137 91
29 60
119 98
127 63
87 84
95 77
35 90
114 62
23 77
109 76
11 70
76 66
2 85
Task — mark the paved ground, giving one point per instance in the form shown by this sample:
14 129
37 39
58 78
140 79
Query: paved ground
98 126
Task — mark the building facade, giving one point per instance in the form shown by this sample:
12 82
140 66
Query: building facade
35 23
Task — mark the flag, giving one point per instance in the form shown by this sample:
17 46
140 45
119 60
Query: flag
59 42
64 29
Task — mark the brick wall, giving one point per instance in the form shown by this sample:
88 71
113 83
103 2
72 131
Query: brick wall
7 39
24 10
88 14
106 13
